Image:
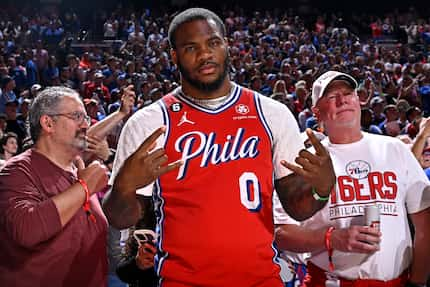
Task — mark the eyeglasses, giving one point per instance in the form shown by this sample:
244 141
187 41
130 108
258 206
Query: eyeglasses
78 117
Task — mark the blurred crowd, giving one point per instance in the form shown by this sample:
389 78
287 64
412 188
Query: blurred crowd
278 54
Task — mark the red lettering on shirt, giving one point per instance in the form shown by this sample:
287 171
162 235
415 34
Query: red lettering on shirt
346 189
376 184
390 182
380 185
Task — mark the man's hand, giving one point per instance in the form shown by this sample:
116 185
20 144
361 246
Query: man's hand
356 238
95 175
316 169
145 256
425 127
145 165
141 168
127 100
98 147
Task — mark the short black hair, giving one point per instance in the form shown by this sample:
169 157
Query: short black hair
190 15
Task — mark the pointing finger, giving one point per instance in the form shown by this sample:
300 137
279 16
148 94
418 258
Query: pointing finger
152 146
294 168
150 142
319 149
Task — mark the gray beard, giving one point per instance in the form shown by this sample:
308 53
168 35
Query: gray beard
80 144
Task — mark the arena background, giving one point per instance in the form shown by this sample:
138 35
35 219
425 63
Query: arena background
306 6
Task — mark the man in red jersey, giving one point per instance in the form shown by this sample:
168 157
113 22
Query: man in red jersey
224 145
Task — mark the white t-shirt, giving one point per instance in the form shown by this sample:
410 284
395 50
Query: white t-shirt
376 169
281 122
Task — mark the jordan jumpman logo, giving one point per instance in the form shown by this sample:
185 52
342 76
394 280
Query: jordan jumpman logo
185 120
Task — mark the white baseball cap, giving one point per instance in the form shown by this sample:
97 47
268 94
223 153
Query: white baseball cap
320 84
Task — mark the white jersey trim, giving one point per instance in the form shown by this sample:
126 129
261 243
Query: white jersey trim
234 97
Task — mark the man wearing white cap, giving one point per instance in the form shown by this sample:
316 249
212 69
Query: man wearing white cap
371 170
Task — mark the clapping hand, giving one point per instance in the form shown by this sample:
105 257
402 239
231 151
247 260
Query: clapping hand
98 147
127 100
425 127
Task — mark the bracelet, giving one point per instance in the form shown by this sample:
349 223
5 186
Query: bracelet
329 247
86 205
319 197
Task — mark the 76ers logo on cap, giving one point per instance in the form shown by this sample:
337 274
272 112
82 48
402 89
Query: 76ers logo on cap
242 109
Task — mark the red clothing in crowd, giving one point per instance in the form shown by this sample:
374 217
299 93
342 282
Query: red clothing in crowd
91 88
319 27
84 64
35 249
298 107
376 29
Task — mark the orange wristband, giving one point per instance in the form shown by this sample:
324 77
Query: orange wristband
329 247
86 205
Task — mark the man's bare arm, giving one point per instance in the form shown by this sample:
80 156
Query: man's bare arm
122 209
355 238
296 238
103 127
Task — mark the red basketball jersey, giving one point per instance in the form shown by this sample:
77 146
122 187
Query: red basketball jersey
215 212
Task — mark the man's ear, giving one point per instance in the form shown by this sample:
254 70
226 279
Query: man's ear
173 56
47 123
